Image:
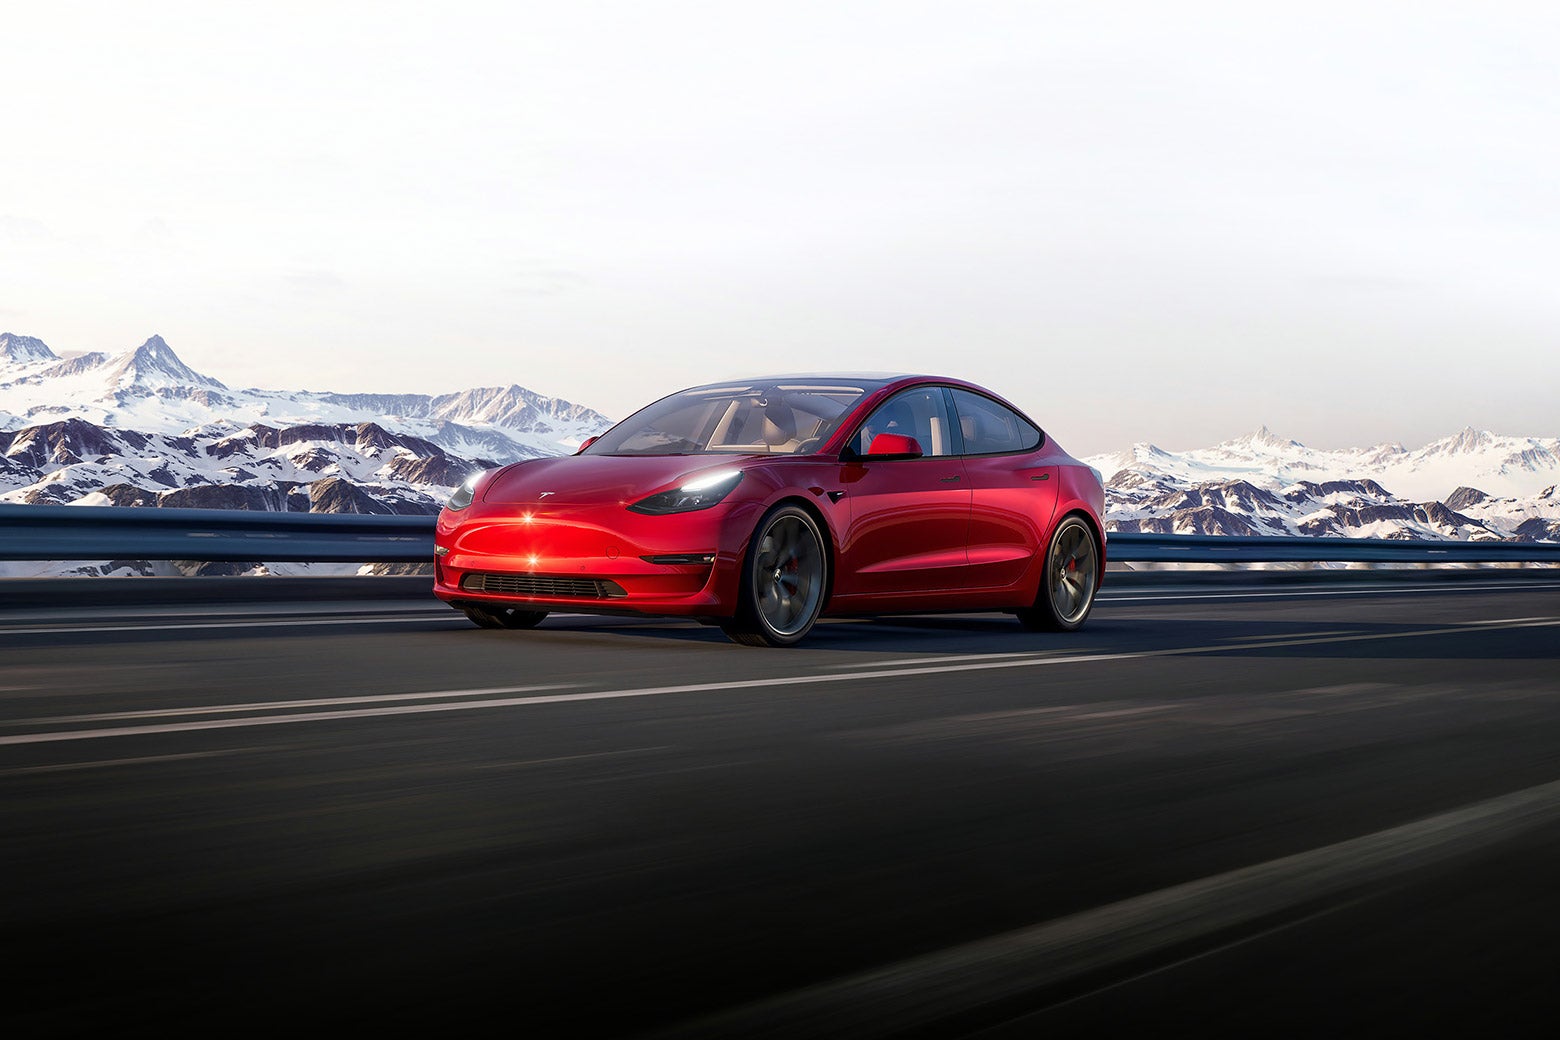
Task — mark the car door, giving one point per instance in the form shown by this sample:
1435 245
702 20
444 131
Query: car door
909 516
1012 490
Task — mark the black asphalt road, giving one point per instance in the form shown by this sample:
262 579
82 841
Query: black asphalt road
1293 812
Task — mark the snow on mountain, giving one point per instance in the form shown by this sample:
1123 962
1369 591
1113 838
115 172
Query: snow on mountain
23 350
257 467
142 428
1499 465
153 365
1493 487
150 389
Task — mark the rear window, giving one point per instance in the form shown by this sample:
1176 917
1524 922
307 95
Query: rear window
989 428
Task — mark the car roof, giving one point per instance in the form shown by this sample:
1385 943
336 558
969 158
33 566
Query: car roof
866 380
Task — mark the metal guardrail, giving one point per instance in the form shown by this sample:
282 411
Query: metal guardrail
1208 548
210 535
233 535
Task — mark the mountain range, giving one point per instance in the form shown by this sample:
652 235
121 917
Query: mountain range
1470 485
141 428
149 389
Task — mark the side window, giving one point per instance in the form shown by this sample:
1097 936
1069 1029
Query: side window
990 429
921 413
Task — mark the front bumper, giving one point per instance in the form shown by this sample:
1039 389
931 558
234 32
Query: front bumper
591 559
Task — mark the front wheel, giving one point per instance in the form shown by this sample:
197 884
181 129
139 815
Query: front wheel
504 617
1072 573
783 580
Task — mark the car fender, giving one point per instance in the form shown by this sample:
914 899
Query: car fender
762 488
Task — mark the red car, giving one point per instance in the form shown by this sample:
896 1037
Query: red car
761 505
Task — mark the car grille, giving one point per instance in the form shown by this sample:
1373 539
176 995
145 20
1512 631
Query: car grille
543 586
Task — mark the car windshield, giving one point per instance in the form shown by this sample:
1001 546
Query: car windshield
769 419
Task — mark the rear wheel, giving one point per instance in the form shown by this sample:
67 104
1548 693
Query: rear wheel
1072 573
504 617
782 581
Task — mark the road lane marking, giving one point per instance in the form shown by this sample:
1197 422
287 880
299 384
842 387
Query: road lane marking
736 684
1506 621
921 991
937 660
1298 635
220 709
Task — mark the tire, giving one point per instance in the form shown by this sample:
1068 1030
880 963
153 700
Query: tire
1072 575
504 617
784 576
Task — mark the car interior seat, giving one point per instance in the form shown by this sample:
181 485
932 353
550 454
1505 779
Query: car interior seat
779 423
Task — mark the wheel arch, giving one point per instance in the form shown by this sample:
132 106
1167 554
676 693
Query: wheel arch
826 529
1099 537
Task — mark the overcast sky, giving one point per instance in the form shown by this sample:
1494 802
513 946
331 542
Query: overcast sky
1158 222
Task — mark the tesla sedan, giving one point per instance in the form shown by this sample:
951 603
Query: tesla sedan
762 505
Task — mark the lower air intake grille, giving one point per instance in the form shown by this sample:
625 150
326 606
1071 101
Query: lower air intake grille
543 585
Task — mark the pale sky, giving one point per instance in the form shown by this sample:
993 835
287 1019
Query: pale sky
1140 222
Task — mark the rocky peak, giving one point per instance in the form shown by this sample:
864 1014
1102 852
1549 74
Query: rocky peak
1466 440
154 364
1464 497
24 350
1262 437
75 366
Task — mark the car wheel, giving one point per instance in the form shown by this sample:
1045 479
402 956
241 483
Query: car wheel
1072 573
783 578
504 617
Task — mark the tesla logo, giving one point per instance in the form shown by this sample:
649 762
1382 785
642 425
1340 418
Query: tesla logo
544 494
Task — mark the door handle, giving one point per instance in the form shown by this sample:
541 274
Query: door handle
1043 476
949 480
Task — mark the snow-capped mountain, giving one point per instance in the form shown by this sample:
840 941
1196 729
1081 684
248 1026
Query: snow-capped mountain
220 467
142 428
1497 465
150 390
1471 485
23 350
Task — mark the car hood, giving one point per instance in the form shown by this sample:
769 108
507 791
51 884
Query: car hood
599 479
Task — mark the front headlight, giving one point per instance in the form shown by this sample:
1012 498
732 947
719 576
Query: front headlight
699 493
464 494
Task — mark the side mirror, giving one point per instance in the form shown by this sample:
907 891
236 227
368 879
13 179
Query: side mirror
587 443
894 446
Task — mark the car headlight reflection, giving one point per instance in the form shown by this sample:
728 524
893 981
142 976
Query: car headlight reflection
701 492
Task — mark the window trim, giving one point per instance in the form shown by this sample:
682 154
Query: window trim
958 425
955 435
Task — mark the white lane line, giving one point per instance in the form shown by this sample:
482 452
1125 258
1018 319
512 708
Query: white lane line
923 990
1298 635
737 684
937 660
1505 621
221 709
321 620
